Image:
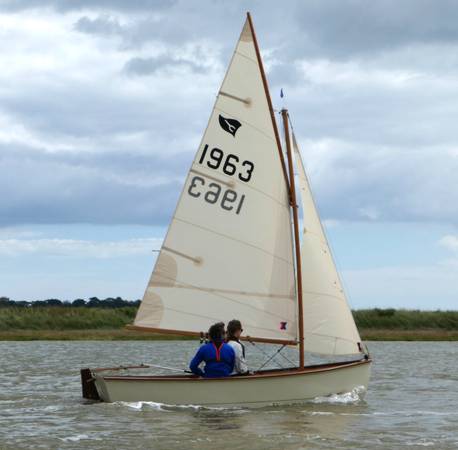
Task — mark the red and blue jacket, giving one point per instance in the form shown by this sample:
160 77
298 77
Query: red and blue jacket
219 360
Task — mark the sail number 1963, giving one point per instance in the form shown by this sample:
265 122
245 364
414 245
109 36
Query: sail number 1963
212 193
230 163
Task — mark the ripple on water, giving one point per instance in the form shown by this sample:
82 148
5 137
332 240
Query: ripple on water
409 404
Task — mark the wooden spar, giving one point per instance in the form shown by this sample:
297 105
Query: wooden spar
269 100
197 334
291 187
284 114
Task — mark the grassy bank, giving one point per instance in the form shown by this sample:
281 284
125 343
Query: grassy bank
83 323
404 319
127 335
106 334
65 318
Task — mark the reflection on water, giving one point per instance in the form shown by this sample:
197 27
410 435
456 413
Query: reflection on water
411 403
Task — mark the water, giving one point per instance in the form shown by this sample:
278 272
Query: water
412 402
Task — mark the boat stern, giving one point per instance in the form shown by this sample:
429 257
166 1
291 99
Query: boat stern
88 387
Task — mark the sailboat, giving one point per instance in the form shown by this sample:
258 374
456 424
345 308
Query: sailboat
234 249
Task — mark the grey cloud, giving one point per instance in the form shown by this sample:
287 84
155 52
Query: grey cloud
39 187
370 183
75 5
148 66
331 29
393 141
342 29
119 162
94 110
104 24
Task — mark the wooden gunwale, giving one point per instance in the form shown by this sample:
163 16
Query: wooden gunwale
197 334
141 366
266 374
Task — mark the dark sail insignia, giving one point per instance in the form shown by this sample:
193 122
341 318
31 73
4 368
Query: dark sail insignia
229 125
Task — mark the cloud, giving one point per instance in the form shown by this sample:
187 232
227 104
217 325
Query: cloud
357 181
72 5
450 242
40 187
103 24
421 286
334 30
147 66
330 223
102 104
15 233
78 248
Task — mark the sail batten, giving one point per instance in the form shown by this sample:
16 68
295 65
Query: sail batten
287 261
233 184
230 235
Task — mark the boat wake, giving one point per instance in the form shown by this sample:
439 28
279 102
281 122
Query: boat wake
75 438
140 406
356 395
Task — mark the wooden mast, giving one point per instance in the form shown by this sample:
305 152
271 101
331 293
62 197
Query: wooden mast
291 188
269 100
284 114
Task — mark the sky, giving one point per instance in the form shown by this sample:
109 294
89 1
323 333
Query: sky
103 104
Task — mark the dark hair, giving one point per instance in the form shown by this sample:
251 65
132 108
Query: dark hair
232 327
216 331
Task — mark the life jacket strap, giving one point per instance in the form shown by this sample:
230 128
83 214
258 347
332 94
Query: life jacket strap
218 351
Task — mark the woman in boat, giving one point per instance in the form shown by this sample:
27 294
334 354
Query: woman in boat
219 357
234 331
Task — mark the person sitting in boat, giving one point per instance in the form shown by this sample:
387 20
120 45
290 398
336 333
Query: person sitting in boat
234 331
219 357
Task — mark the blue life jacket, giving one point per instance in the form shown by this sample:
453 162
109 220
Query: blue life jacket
219 360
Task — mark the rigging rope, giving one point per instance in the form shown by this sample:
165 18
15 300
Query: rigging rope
272 357
267 354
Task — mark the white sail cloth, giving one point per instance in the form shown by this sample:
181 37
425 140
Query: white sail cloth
329 327
228 251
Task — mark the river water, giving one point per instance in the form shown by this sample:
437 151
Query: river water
412 402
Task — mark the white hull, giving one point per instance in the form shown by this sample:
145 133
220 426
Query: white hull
270 387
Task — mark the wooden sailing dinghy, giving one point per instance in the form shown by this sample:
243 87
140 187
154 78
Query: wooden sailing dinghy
233 249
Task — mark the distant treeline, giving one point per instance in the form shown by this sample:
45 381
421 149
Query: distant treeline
95 313
106 319
405 319
65 318
92 302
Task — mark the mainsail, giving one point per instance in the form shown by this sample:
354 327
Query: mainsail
228 252
329 327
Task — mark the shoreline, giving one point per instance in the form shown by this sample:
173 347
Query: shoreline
120 334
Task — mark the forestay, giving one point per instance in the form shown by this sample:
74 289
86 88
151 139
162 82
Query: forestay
329 327
228 251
